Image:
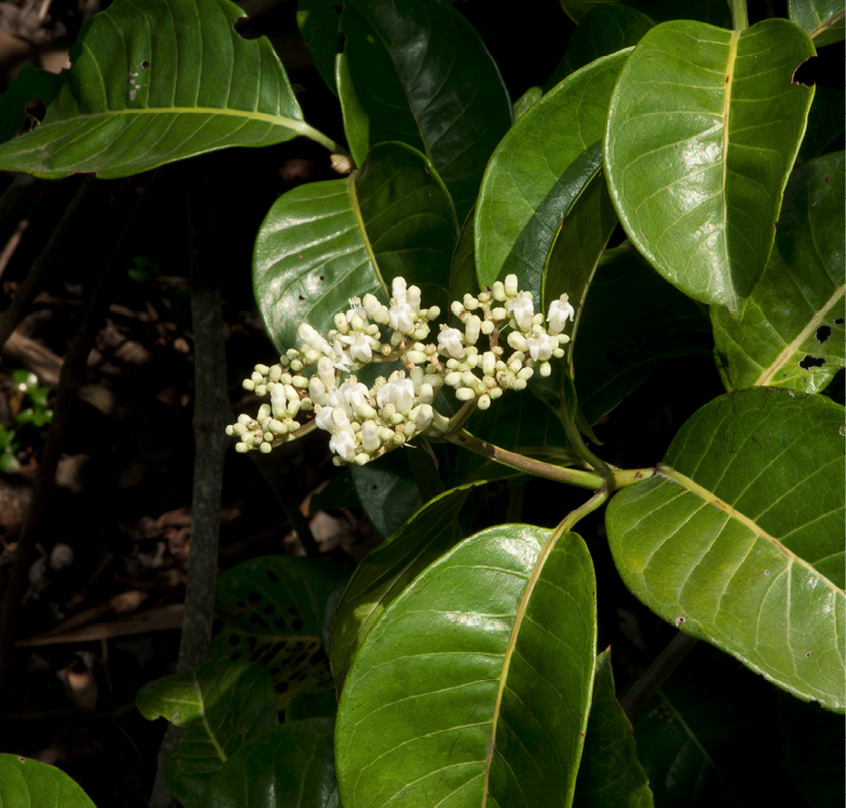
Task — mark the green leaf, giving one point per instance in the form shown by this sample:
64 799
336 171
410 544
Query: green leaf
703 129
610 774
387 491
604 29
424 77
537 173
275 612
526 101
632 321
475 683
356 122
737 539
462 273
825 124
789 333
319 22
291 765
575 254
713 11
156 82
26 783
325 242
220 706
389 569
822 19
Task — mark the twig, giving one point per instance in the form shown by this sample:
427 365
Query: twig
13 196
656 674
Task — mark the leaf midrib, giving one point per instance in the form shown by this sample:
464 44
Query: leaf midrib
669 473
264 117
792 347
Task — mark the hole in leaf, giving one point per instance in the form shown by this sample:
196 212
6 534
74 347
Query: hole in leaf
146 64
806 74
269 609
297 624
838 321
823 333
254 597
272 576
234 639
293 610
812 362
807 656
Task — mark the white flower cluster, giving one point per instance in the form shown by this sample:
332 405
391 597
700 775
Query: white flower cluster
364 423
484 375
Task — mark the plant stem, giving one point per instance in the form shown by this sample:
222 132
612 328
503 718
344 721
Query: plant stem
577 514
739 16
625 477
656 674
577 477
318 137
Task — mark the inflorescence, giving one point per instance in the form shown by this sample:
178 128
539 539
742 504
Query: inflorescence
366 422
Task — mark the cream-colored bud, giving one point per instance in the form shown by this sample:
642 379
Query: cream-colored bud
498 291
510 285
487 327
417 357
452 379
426 394
248 384
517 341
275 373
265 447
495 393
526 373
263 369
468 379
256 377
545 369
464 394
456 308
433 313
472 329
484 402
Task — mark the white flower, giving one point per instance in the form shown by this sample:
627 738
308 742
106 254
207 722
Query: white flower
398 391
323 419
342 443
360 346
401 318
559 312
310 338
540 346
522 310
356 310
369 437
353 396
450 342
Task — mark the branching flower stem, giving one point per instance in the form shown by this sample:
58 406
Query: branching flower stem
577 477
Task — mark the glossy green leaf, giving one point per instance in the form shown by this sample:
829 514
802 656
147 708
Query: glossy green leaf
576 252
610 774
474 685
789 334
325 242
738 538
462 273
26 783
822 19
319 22
220 706
703 129
526 101
538 172
389 569
604 29
274 610
387 491
356 122
156 82
712 11
292 765
632 321
424 77
825 124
